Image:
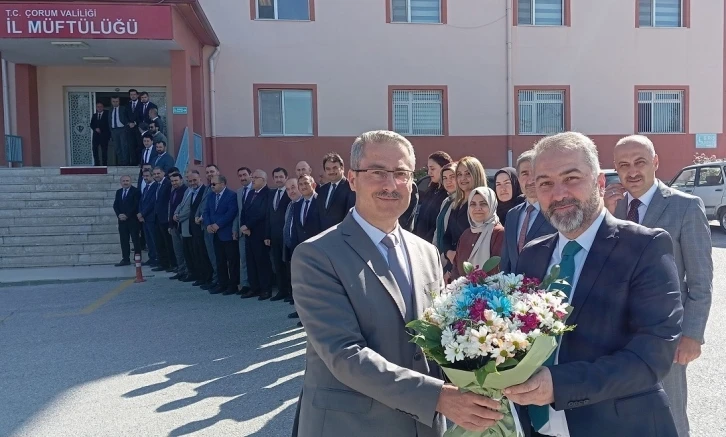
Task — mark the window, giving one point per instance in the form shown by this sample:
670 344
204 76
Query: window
660 112
418 112
416 11
685 179
286 112
283 9
660 13
710 176
540 12
541 112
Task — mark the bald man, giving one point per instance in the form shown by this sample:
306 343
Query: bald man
302 168
253 224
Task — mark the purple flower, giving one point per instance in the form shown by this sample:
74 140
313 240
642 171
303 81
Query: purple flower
476 311
460 327
530 322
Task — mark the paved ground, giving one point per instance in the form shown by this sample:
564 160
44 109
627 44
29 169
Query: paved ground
162 358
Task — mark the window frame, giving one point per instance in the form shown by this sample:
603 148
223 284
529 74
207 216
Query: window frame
443 89
254 12
685 16
685 106
256 88
443 15
566 114
566 15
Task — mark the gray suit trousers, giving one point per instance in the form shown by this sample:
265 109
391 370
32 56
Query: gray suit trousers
209 244
676 387
176 241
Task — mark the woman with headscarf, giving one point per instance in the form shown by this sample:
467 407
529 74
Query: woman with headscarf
485 236
431 200
509 193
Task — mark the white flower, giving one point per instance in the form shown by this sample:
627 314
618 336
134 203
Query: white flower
447 336
558 327
453 352
518 339
477 342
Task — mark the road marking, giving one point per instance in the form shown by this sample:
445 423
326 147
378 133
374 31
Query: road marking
106 297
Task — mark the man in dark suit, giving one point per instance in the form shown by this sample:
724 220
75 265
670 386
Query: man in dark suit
148 154
201 267
136 117
155 118
275 223
118 121
178 192
286 281
253 224
101 135
642 198
146 106
221 209
126 207
335 198
526 221
164 245
147 216
621 278
163 159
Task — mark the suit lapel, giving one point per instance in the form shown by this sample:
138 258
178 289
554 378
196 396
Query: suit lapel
538 222
657 205
541 255
359 241
511 233
604 243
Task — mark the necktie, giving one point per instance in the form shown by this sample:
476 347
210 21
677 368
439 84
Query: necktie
633 215
99 116
244 195
194 195
216 202
277 199
115 117
145 104
133 105
147 152
399 268
146 190
287 232
305 212
525 227
330 195
540 415
126 190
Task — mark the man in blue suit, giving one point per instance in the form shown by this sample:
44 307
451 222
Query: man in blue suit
163 159
147 215
525 221
219 215
605 377
162 237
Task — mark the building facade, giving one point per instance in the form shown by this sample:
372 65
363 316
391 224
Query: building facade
264 83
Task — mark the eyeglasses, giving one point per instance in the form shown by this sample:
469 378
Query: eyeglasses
378 175
214 184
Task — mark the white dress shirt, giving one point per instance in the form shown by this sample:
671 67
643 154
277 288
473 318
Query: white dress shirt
523 214
376 236
645 200
116 119
278 193
147 155
557 425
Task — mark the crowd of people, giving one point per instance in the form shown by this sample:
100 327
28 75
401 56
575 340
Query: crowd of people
242 242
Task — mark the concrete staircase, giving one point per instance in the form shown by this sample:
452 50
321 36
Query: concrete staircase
48 219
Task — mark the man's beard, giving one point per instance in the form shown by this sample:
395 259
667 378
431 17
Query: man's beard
567 222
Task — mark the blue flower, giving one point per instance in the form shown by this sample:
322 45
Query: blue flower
501 305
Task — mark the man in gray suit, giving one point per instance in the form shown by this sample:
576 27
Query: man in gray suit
211 171
526 222
643 199
355 287
182 215
245 179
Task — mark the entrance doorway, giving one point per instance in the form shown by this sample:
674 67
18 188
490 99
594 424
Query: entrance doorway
81 105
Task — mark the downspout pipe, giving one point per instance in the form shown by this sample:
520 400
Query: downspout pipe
510 88
212 100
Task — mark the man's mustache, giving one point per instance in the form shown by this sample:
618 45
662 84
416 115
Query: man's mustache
389 194
562 203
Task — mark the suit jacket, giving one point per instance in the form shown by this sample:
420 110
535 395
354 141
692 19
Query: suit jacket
164 161
363 377
312 226
540 228
128 206
104 124
628 311
147 204
683 216
223 215
160 137
143 115
254 215
161 207
276 218
152 156
240 207
287 251
408 218
175 199
340 204
203 205
195 209
158 121
123 114
184 212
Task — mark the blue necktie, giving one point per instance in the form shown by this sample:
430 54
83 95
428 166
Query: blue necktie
216 203
398 267
540 415
286 237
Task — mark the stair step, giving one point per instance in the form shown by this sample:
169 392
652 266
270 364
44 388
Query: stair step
55 221
66 249
59 229
59 260
55 239
77 187
87 211
63 179
57 203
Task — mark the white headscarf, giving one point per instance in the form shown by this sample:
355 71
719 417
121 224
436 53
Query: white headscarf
481 252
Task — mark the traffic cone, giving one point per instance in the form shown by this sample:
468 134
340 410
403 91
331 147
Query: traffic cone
139 274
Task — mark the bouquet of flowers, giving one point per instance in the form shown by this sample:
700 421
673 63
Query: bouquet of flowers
492 332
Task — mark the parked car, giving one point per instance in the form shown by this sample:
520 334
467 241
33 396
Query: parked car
707 182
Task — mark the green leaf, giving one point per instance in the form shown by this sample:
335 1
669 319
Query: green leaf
491 263
481 375
490 367
468 267
508 363
437 355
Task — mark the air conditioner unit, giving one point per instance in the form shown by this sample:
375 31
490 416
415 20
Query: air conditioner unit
70 45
